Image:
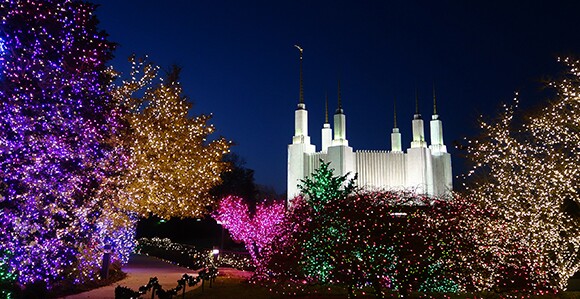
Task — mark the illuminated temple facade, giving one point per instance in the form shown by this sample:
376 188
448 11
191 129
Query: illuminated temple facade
423 168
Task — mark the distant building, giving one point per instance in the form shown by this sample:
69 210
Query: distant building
425 169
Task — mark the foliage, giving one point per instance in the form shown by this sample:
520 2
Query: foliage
7 279
257 230
429 247
59 153
237 180
228 287
173 164
528 171
323 187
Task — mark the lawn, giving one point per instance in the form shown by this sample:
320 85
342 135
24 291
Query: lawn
239 288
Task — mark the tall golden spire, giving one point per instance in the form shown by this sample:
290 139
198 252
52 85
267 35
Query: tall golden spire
326 109
434 101
301 84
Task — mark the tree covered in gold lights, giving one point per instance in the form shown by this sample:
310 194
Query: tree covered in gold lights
173 163
527 169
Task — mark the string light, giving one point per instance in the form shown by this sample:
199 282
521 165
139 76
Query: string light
527 170
82 157
191 257
57 144
173 164
256 231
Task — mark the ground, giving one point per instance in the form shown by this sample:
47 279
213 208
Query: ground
139 269
230 283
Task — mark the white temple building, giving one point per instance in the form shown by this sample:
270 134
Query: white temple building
424 169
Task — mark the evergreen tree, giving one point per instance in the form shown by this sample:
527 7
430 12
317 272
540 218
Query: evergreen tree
57 142
528 171
238 181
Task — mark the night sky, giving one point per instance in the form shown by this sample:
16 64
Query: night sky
239 63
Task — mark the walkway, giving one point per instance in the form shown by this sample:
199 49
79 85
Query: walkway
140 268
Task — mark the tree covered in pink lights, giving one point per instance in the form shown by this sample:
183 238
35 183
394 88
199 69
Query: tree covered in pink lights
58 154
257 231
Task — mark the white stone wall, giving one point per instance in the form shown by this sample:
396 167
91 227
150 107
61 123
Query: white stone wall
339 130
419 174
442 176
396 171
314 162
301 124
326 137
371 167
298 156
416 170
396 145
342 160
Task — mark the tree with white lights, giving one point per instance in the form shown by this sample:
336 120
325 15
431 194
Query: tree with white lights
528 172
173 164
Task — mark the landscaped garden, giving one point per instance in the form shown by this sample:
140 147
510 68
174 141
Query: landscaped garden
87 152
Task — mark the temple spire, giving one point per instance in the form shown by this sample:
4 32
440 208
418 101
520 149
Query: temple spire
434 101
339 123
301 80
416 102
326 109
339 109
395 135
395 112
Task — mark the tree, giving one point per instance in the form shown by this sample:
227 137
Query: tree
58 149
238 181
256 230
527 170
173 164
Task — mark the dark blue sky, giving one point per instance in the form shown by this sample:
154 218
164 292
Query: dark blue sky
239 63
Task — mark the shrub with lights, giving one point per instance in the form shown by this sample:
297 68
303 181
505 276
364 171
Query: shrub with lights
393 241
400 241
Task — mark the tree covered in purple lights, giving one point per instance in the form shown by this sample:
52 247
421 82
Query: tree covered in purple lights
59 158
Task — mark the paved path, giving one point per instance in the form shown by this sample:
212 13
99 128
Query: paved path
140 268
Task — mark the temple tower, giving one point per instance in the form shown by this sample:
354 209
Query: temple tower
419 175
340 155
300 148
443 180
326 130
